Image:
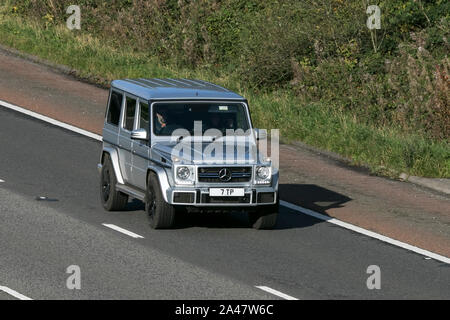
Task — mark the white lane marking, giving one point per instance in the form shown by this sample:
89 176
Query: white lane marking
122 230
13 293
283 203
2 180
276 292
365 232
50 120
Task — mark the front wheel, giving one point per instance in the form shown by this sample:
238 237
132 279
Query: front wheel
265 217
161 214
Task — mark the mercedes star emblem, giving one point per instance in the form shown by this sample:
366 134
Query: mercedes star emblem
225 174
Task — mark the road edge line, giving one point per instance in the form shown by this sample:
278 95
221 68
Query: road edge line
14 293
51 121
365 232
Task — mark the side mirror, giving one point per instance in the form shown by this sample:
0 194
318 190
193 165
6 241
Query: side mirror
139 134
261 134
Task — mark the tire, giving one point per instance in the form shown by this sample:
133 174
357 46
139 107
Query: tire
112 200
161 214
265 217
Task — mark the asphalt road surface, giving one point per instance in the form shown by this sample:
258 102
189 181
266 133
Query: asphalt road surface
205 257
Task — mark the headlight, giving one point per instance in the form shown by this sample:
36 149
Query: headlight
184 174
263 172
263 175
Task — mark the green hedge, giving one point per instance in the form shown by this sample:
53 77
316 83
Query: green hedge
310 68
322 50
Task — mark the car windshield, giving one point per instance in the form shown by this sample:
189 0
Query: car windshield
168 117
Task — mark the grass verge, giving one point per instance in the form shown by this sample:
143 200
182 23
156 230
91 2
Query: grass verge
385 151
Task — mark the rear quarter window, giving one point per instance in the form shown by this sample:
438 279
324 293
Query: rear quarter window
115 106
129 113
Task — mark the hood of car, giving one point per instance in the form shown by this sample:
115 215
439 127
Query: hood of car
218 152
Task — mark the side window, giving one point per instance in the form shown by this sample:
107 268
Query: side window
129 113
115 106
144 117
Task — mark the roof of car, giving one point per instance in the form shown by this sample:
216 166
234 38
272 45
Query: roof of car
159 89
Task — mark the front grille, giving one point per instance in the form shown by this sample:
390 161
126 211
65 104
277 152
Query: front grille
206 198
211 174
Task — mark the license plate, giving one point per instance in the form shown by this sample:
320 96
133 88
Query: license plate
226 192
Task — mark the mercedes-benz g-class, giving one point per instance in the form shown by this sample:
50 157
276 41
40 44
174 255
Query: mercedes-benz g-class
184 145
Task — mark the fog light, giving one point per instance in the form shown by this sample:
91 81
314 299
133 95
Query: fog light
266 197
183 197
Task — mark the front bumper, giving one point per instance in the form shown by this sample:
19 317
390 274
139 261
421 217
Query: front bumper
199 197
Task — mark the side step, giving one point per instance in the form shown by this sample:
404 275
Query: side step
135 193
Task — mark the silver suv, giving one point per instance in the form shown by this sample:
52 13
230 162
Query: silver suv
184 145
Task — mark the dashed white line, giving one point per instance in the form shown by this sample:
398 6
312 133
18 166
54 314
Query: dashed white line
283 203
2 180
14 293
122 230
276 292
365 232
